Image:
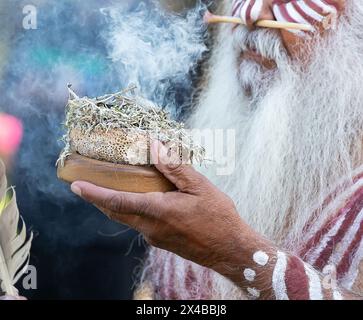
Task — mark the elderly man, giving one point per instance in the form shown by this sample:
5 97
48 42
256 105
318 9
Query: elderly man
288 223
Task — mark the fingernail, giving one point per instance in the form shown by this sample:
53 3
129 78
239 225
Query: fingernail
76 190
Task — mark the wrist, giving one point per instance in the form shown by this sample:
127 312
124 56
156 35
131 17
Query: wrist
240 248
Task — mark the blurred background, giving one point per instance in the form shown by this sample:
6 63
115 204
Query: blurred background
99 46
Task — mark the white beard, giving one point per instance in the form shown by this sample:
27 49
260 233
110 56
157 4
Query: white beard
299 132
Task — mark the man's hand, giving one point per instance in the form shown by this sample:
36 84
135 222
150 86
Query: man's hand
193 222
201 224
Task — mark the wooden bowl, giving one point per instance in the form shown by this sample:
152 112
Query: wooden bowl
139 179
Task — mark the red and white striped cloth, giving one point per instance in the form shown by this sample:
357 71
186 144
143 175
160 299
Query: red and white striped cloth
311 12
174 278
338 240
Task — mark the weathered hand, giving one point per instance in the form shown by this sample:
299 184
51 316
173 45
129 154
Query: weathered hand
192 222
201 224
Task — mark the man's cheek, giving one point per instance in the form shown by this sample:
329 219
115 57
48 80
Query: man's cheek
293 44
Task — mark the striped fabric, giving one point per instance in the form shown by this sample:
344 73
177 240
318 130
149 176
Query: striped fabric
338 241
294 279
167 271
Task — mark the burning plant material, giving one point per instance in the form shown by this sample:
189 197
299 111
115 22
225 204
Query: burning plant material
119 128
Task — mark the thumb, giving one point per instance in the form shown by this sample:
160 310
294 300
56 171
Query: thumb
183 176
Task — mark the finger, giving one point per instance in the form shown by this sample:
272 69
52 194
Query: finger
184 177
117 202
144 225
132 221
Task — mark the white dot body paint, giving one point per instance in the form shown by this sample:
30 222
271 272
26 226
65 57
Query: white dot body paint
249 274
261 258
254 292
278 277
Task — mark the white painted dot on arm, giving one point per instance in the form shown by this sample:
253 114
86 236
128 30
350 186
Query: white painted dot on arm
261 258
249 274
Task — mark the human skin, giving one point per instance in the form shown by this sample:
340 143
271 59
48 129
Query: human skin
295 44
198 223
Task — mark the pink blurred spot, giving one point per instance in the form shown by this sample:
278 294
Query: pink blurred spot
11 134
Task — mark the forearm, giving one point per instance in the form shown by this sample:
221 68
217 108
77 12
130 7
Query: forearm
201 224
265 272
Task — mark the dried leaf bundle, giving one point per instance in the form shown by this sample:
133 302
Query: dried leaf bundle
120 121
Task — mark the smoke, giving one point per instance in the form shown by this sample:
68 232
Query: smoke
157 51
297 137
99 47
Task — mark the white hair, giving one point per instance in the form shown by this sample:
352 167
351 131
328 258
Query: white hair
298 133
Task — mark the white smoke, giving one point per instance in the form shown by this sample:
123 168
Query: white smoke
153 48
99 47
75 41
298 133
